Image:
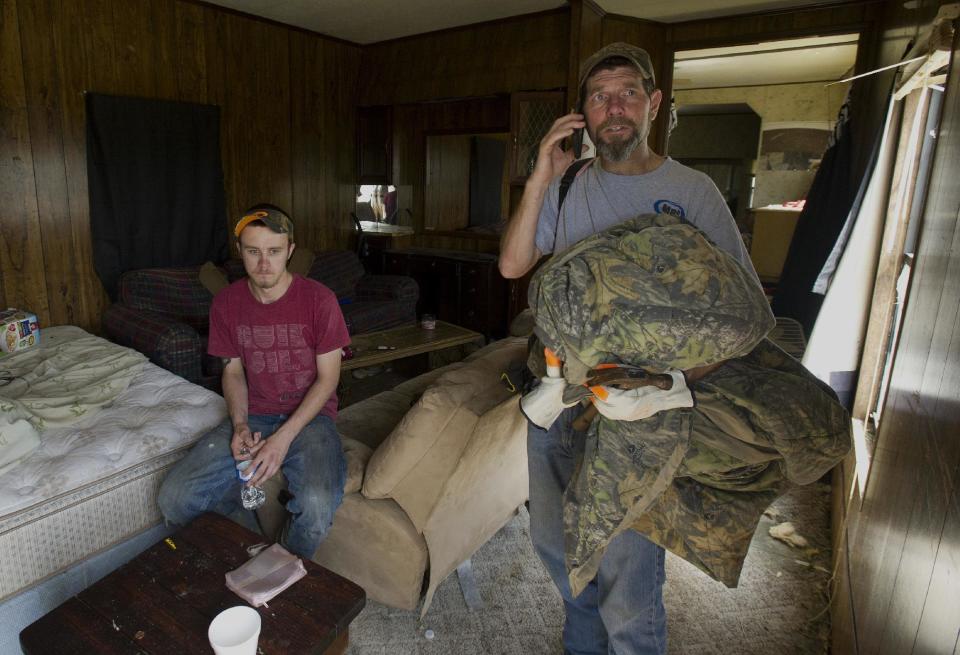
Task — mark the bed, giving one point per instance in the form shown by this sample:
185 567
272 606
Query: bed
91 480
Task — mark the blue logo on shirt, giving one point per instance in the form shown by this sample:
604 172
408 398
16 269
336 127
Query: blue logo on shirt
669 207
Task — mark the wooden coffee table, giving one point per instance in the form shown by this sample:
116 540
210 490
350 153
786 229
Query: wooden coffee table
388 345
163 600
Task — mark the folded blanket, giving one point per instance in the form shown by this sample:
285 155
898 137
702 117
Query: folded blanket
654 292
70 375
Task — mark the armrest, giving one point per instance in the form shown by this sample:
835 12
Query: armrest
388 287
169 344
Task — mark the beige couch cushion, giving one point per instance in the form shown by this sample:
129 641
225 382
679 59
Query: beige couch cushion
413 463
357 455
483 493
373 543
371 420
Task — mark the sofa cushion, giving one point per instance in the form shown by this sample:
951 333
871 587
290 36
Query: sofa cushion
338 270
300 261
413 463
373 544
172 292
357 455
213 278
369 422
482 494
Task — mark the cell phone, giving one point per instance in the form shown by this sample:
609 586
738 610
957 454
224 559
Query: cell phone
576 140
576 143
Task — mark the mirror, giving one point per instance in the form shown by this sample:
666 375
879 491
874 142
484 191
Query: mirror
383 204
467 184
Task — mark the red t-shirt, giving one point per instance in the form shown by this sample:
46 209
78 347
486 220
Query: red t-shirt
278 342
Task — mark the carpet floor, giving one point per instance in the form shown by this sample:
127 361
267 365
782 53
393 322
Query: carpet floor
779 607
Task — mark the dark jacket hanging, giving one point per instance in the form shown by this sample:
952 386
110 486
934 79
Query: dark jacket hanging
155 184
828 204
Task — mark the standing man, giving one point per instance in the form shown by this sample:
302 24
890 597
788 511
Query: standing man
621 611
280 336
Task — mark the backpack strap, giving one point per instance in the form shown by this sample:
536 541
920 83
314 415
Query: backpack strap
568 176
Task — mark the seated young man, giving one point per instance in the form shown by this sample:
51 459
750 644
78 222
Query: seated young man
280 336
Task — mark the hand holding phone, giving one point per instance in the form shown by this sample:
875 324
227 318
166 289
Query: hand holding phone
551 159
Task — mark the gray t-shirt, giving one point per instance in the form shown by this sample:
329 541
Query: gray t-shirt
597 200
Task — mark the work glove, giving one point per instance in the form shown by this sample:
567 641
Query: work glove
644 402
545 402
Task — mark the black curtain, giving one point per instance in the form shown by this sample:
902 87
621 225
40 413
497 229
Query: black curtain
155 185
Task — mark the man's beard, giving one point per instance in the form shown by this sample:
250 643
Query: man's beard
618 150
270 282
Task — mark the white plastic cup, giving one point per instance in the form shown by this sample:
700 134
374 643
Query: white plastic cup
235 631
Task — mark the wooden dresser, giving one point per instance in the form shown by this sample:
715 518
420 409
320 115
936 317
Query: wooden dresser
464 288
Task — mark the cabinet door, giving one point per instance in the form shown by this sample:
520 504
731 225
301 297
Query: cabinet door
483 298
374 145
438 282
531 115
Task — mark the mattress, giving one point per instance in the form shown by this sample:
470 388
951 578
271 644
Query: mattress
94 484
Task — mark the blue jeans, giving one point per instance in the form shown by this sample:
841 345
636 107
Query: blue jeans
315 468
621 610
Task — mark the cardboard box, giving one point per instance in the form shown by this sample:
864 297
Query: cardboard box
772 233
18 330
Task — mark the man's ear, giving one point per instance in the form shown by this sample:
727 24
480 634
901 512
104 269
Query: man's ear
239 249
293 247
655 99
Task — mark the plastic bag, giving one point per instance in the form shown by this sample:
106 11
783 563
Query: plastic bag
266 575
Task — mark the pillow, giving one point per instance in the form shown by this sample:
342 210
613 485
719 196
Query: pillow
415 460
301 261
212 278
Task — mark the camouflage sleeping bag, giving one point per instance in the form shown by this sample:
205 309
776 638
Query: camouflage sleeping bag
655 292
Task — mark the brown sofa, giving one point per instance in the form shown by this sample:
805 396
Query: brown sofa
435 467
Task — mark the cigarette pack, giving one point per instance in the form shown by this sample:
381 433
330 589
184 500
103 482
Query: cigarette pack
18 330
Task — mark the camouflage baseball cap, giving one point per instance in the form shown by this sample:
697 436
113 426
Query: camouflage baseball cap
271 217
636 56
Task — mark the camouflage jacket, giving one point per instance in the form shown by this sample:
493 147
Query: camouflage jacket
654 292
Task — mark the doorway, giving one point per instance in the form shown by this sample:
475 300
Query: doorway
757 119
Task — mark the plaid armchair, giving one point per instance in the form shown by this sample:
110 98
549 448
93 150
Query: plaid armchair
164 312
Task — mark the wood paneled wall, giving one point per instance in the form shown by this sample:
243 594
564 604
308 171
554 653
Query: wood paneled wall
287 100
460 80
652 37
526 53
899 566
412 122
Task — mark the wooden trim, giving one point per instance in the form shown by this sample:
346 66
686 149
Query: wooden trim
586 37
634 19
595 8
728 33
843 634
899 205
269 21
469 26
